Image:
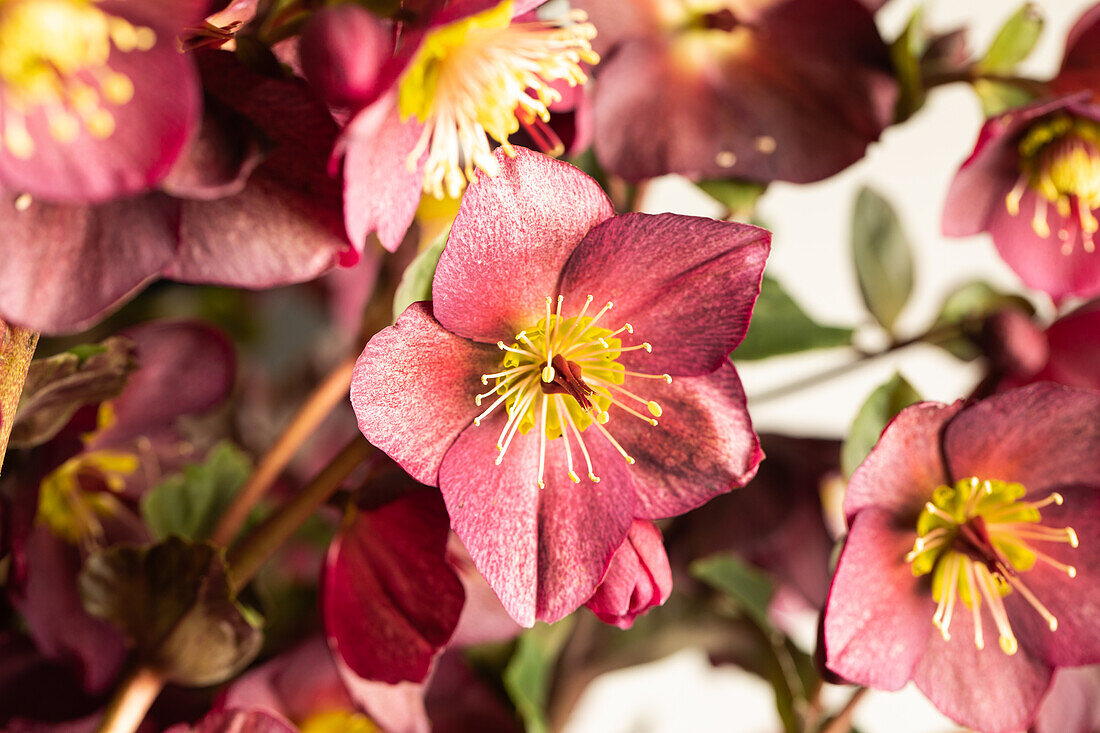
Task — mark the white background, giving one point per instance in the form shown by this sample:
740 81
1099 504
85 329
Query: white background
912 166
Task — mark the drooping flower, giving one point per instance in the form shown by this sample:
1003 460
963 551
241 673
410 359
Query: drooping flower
96 101
571 375
970 566
461 79
1033 183
638 578
789 90
249 204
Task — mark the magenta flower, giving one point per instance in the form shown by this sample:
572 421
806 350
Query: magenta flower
789 90
1066 352
469 74
249 204
570 376
1033 183
96 101
970 566
638 578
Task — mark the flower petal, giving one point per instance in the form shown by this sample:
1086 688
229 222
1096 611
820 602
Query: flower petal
166 383
905 466
389 599
1042 436
150 129
513 234
1075 602
878 618
1040 261
380 192
545 550
686 284
985 688
703 445
62 267
414 387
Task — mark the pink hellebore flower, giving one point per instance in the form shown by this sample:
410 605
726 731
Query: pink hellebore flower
469 74
529 391
638 578
1033 183
96 101
765 90
971 566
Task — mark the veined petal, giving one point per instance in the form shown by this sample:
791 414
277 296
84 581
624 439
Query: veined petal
1042 436
414 387
703 445
545 550
509 242
905 466
878 616
686 284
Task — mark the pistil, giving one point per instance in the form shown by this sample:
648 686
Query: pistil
561 376
975 540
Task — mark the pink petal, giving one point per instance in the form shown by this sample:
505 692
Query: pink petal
389 600
166 384
243 721
545 550
483 618
982 182
513 234
686 284
1040 261
150 130
702 446
62 267
617 21
219 160
906 465
1074 343
878 618
1081 62
297 684
984 689
1043 436
1072 704
394 708
414 387
342 50
638 578
380 192
1075 602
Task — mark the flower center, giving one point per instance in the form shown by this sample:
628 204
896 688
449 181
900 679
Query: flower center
338 721
975 538
563 375
1060 160
54 55
482 77
74 497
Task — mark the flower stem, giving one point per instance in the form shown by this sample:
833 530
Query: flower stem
131 702
249 555
932 336
973 74
16 349
316 408
842 721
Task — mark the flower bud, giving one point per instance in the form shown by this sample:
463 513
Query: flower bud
342 50
1014 344
638 578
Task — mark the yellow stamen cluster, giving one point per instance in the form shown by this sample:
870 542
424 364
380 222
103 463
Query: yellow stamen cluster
338 721
482 77
1060 161
54 56
73 513
975 538
582 357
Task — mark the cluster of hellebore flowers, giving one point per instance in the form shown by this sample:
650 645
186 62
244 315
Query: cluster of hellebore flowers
552 417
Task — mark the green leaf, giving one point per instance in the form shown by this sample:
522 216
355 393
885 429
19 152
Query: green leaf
527 676
886 401
998 97
416 282
750 588
1014 41
739 197
779 326
883 261
173 602
60 385
189 504
967 307
905 53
